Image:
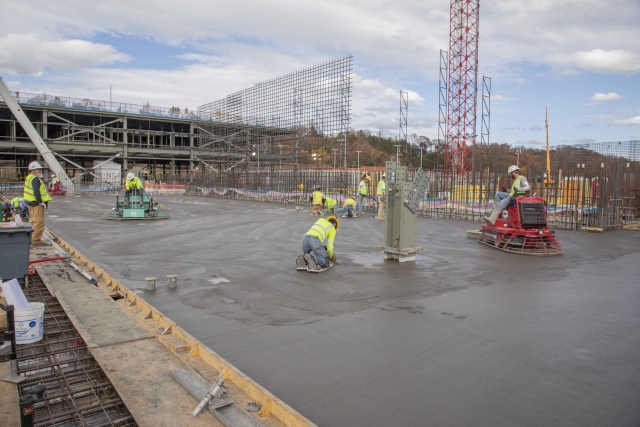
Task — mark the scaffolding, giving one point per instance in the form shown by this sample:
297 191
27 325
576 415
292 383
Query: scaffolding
300 120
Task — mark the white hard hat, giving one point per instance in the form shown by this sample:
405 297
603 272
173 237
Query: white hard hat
384 175
53 175
513 168
34 166
130 176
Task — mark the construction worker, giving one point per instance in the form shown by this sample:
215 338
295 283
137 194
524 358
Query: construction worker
313 255
348 208
381 192
317 200
54 184
363 191
330 204
19 207
37 197
520 187
132 183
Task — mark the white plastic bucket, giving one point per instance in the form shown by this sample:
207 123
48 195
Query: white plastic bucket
29 323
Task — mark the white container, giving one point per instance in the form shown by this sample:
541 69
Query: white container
29 323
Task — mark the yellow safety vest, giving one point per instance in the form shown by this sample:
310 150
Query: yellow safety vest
54 181
134 184
317 198
15 202
348 202
516 184
330 203
28 190
363 187
382 187
325 232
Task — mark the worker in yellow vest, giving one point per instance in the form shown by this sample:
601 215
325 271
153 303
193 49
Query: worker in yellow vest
19 207
37 198
317 200
132 183
520 187
314 257
348 209
381 192
330 204
363 191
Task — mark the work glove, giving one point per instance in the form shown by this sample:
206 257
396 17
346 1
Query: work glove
43 205
333 259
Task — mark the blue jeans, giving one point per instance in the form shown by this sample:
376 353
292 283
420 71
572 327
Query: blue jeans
348 210
503 198
313 245
360 205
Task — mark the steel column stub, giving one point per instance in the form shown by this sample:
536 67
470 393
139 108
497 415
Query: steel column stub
151 283
403 201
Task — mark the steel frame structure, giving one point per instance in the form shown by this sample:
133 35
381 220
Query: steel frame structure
289 121
404 112
462 86
443 95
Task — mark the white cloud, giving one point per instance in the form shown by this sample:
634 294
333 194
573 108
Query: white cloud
27 54
501 98
604 97
607 62
628 122
535 127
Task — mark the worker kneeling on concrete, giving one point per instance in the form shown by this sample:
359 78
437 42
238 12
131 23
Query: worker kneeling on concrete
348 209
330 204
317 200
19 207
314 257
133 183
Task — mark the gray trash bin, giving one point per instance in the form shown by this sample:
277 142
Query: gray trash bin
14 251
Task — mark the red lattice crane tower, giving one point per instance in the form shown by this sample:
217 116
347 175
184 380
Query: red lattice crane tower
462 84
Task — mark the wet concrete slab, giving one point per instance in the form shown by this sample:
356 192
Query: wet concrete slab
467 335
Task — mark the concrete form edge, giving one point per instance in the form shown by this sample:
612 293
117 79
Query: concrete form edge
271 405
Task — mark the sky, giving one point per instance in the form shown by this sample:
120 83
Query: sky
578 58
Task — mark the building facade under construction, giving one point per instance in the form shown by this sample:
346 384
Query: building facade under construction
298 119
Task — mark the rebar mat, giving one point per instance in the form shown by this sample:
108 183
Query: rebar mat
78 392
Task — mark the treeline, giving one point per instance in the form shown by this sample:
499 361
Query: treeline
375 150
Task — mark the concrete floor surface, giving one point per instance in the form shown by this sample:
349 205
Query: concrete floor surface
467 335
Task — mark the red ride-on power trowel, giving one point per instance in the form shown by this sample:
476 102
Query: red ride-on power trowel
522 229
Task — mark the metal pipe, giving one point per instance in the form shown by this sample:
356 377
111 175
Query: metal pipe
35 137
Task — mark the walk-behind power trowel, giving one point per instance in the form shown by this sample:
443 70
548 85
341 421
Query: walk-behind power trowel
139 205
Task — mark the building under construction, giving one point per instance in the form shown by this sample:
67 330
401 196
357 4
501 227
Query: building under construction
298 119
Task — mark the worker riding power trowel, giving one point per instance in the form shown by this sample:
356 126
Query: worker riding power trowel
317 253
137 204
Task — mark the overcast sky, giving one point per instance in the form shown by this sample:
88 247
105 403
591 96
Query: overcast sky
580 58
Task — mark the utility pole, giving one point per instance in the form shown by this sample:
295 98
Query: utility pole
546 125
358 160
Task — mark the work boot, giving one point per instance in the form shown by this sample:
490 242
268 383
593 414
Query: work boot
312 213
494 216
344 215
301 264
311 262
